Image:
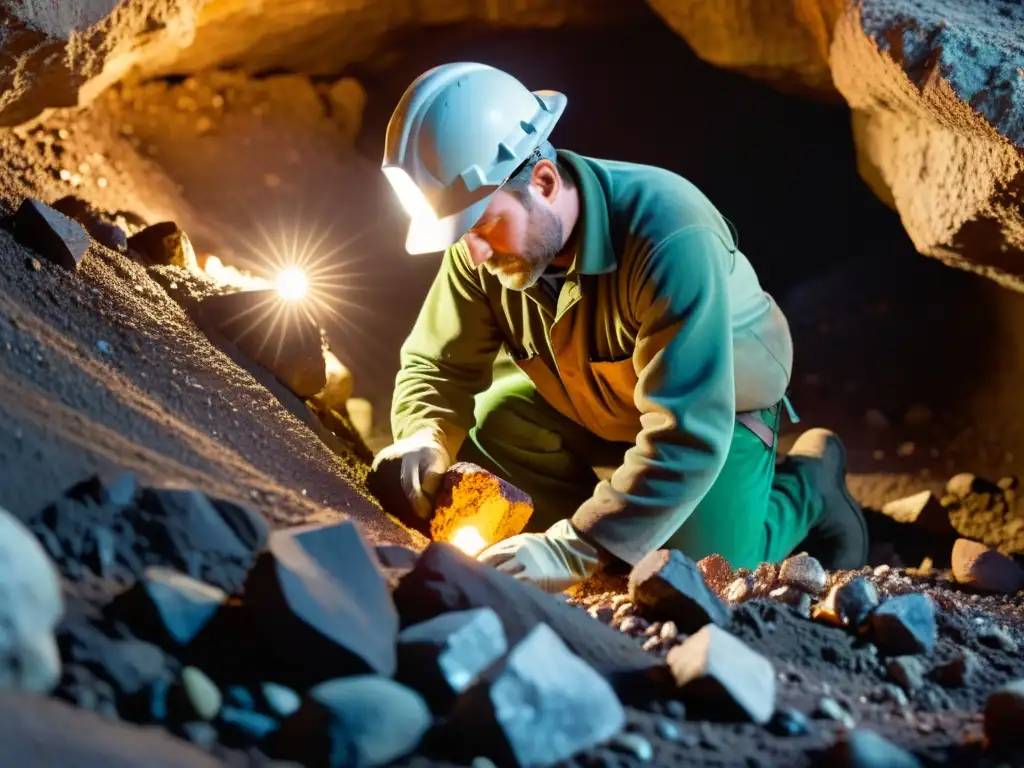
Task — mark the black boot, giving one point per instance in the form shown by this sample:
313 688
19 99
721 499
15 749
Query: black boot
839 540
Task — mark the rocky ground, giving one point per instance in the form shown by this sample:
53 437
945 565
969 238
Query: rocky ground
169 575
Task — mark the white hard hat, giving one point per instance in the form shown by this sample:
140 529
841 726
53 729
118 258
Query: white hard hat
458 133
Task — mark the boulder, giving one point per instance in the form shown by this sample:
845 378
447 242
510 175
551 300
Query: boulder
905 624
446 580
277 334
723 677
51 234
321 606
443 656
354 722
31 604
667 585
570 706
983 568
470 496
167 606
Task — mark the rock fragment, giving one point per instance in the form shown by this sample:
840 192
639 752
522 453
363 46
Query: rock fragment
103 232
797 598
203 695
716 571
358 721
318 592
31 605
720 673
471 496
165 243
923 510
571 707
168 606
443 656
50 234
961 485
981 567
1004 712
905 624
958 670
805 573
863 748
907 672
848 604
667 585
276 334
789 722
446 579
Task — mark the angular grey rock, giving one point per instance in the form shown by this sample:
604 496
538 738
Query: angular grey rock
667 585
721 675
905 624
804 573
165 606
1004 713
539 706
354 722
31 605
855 600
51 234
443 656
104 233
322 606
906 671
445 579
922 510
863 748
981 567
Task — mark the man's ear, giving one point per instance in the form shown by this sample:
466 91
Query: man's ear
546 179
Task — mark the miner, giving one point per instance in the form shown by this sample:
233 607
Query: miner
595 336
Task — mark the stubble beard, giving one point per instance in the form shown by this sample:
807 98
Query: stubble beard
517 272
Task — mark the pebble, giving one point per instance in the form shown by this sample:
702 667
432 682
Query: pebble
960 485
203 694
740 589
282 701
625 610
907 672
984 568
789 722
632 625
675 708
633 744
666 729
833 710
804 573
252 723
104 347
652 643
1004 712
602 613
669 631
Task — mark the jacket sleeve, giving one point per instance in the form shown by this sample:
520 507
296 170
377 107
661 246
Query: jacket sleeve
685 395
448 357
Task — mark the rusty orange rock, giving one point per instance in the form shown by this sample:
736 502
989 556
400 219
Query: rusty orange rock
472 496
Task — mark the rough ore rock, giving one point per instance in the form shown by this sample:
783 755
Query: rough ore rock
667 585
1004 713
51 234
905 624
103 232
571 707
863 748
443 656
848 604
277 334
322 606
168 607
724 677
981 567
353 722
805 573
165 243
446 580
30 607
470 495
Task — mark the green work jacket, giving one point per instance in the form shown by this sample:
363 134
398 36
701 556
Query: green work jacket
660 335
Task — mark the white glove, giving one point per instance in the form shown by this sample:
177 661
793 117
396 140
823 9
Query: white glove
554 560
422 462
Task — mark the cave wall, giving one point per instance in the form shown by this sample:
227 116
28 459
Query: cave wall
935 87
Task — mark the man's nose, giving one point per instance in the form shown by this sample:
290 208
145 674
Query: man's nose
479 250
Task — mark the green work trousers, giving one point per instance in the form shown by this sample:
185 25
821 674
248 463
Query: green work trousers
753 513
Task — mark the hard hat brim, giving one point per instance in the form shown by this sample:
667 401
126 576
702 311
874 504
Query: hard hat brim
430 235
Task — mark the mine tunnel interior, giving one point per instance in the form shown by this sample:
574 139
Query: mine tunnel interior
917 365
275 168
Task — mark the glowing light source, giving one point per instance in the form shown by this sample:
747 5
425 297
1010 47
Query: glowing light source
469 540
409 195
292 283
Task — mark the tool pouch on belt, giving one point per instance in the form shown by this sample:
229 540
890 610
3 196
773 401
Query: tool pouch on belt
765 424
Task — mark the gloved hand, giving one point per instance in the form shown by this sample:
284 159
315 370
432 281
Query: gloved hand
554 560
415 465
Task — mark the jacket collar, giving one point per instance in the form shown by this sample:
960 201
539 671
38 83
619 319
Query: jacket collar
594 254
